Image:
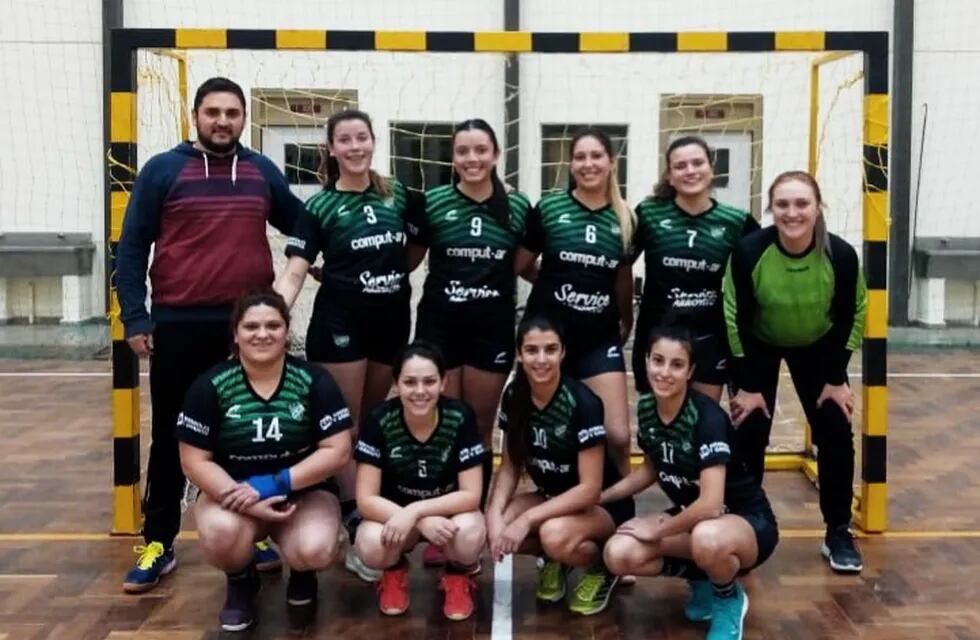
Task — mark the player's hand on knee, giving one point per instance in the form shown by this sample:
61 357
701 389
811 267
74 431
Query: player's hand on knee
274 509
239 498
744 403
840 394
513 535
437 530
396 530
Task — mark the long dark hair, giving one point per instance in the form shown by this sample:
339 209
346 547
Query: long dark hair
624 215
519 407
663 190
254 298
329 170
420 349
499 205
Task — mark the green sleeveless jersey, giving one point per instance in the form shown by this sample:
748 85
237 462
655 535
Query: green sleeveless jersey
249 435
471 254
413 470
362 238
686 257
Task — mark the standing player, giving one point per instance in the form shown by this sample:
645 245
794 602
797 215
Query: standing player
553 429
260 435
687 237
203 207
795 292
721 525
585 282
420 476
361 312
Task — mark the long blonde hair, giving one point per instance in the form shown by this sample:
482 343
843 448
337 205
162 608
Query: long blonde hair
624 214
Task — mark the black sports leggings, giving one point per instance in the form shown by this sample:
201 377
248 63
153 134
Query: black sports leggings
829 425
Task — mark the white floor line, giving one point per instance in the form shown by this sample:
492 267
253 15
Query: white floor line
503 594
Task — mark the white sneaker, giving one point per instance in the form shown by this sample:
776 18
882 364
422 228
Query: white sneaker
358 568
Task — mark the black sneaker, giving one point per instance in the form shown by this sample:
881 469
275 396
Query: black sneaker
301 590
238 613
840 550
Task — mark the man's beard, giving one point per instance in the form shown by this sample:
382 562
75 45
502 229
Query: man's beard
213 147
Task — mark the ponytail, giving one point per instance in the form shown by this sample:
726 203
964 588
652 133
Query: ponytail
624 214
518 419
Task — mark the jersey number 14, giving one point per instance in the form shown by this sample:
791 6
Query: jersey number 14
267 432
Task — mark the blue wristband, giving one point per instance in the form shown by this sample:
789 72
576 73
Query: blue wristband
270 485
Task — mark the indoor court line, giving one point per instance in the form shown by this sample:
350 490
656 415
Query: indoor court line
503 594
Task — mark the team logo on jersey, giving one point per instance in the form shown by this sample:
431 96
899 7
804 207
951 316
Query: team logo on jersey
560 431
232 412
564 218
665 224
613 352
501 358
452 214
342 211
686 446
717 232
389 201
722 364
341 341
396 452
296 410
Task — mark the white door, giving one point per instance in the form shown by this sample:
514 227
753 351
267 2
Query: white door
295 150
733 167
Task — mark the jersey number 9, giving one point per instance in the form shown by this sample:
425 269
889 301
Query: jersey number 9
476 226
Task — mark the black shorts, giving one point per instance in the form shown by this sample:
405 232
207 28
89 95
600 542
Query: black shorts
482 338
766 530
343 331
711 356
621 510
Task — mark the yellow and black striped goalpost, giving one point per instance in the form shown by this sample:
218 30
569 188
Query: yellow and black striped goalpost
122 162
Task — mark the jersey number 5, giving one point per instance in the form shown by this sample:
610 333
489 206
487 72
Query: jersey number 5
271 431
423 472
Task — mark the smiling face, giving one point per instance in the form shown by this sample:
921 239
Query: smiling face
795 209
669 368
474 156
419 386
353 146
590 164
260 335
689 170
219 121
540 355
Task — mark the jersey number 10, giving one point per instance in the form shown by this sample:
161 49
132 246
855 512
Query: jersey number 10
271 431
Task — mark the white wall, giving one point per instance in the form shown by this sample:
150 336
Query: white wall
51 130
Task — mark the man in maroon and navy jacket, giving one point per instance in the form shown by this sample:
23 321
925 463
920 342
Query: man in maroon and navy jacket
203 206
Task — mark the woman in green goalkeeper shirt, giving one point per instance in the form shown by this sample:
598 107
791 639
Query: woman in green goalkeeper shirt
261 435
583 235
795 292
686 237
361 311
419 476
721 525
553 429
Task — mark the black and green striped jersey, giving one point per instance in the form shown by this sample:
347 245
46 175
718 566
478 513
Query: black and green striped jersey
581 251
362 237
685 258
700 436
571 422
248 435
412 470
471 255
782 300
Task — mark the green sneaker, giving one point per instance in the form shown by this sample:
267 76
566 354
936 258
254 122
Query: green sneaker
698 608
551 581
592 593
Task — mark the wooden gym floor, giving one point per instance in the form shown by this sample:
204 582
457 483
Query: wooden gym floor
60 573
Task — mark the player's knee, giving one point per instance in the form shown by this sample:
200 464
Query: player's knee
621 554
707 543
368 544
472 532
557 540
314 553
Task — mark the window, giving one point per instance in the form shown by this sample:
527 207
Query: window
301 162
720 164
555 142
422 153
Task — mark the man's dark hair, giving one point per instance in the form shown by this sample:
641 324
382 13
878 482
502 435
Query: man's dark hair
218 85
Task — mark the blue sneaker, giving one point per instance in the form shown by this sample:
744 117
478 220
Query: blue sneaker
238 612
266 559
728 615
698 608
154 562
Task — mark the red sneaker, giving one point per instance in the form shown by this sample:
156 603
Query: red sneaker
433 556
459 596
393 591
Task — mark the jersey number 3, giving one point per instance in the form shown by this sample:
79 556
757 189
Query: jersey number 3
270 432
